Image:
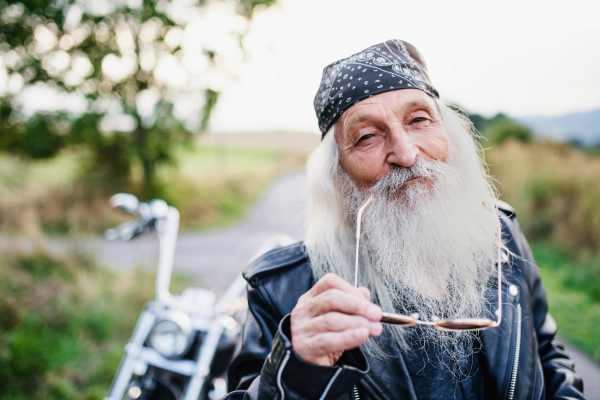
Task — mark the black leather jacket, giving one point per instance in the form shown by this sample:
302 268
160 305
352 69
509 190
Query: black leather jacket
521 359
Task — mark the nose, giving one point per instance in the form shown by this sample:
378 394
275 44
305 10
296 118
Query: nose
402 150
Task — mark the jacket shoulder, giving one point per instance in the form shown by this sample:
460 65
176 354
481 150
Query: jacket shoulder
276 260
506 208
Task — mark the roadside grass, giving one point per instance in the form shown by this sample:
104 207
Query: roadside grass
214 185
64 322
210 185
555 190
573 295
28 188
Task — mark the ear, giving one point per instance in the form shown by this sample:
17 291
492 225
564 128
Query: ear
337 131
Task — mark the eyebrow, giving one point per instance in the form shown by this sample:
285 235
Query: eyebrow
417 103
407 106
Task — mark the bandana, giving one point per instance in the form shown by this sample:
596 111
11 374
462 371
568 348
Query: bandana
386 66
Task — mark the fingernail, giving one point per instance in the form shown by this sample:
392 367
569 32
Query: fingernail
360 333
374 313
376 328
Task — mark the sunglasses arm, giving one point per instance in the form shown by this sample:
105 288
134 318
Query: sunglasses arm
358 220
499 264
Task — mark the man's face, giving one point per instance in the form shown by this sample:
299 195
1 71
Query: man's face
390 129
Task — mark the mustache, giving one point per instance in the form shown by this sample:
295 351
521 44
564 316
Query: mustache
392 182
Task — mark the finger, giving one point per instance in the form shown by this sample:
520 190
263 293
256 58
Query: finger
336 300
330 342
336 322
365 292
333 281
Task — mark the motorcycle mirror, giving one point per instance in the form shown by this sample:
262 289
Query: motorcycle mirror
125 202
159 208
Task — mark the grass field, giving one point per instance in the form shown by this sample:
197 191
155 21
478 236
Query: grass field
211 184
214 184
572 297
555 189
61 336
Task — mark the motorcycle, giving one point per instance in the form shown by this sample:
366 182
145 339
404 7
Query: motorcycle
182 344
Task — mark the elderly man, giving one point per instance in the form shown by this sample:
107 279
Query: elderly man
440 298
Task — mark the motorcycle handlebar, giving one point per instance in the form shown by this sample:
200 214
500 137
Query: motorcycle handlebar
128 230
148 216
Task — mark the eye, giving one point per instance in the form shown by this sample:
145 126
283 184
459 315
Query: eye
365 137
417 120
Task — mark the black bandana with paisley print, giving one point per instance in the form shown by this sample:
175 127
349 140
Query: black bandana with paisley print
390 65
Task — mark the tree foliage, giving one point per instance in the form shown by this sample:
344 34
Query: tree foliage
500 132
145 74
500 128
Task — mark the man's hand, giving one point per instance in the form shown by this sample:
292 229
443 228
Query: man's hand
332 317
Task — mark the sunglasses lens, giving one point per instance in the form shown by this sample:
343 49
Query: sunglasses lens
475 324
397 319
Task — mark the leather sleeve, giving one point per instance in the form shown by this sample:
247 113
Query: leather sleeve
267 367
561 381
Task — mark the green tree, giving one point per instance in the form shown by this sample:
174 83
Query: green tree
505 129
500 128
148 73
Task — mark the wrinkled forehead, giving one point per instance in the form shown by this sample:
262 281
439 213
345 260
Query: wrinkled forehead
388 105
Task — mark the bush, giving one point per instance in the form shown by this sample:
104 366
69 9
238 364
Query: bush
573 295
555 190
60 334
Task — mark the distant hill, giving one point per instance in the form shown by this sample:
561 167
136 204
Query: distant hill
580 127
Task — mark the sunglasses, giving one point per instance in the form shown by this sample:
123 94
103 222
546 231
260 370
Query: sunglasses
464 324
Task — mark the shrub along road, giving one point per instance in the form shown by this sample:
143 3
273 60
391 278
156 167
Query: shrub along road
215 257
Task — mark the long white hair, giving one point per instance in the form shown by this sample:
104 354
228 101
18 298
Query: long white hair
462 233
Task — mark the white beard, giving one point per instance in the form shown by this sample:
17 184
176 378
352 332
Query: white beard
427 248
431 245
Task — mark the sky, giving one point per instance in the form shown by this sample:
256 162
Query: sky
517 57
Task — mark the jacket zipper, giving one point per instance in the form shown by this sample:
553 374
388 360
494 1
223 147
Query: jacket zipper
355 395
513 376
328 387
280 372
541 379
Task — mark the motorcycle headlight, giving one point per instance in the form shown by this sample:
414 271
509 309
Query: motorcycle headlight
171 335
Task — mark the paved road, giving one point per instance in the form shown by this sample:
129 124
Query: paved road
215 257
